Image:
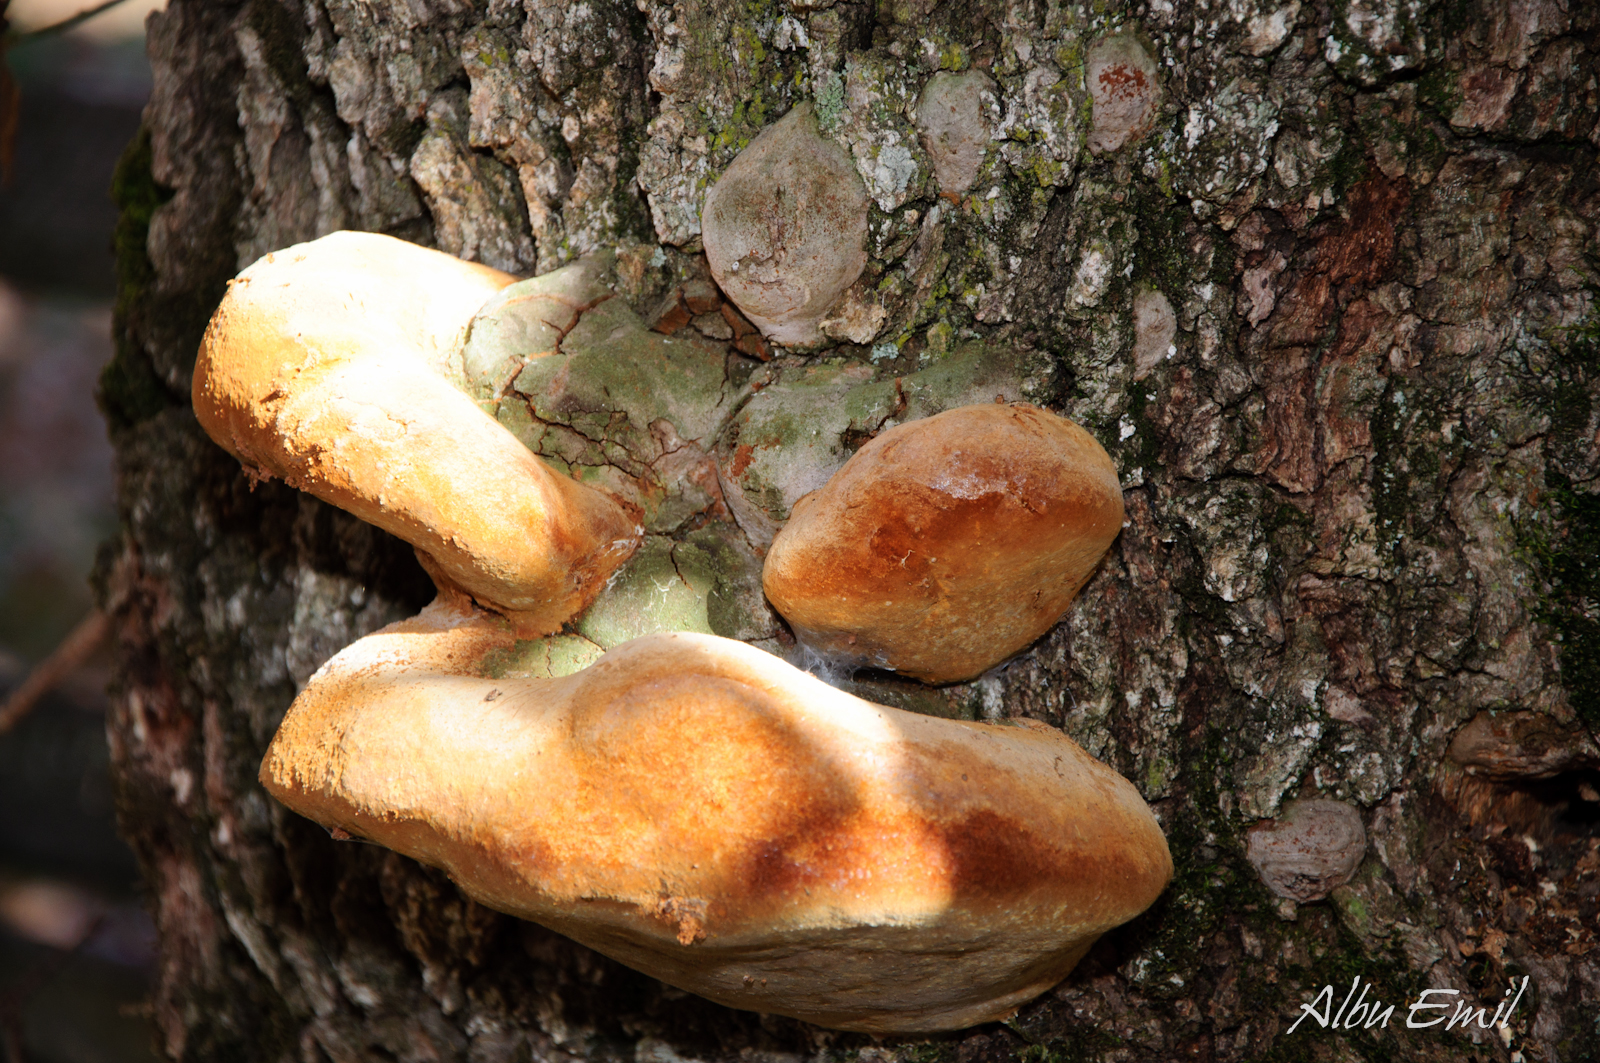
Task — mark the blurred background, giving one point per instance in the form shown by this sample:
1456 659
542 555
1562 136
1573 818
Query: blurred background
76 947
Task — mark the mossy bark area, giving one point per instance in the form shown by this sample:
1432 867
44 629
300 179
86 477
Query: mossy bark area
1357 429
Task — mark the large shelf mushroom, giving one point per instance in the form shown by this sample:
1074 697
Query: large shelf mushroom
688 804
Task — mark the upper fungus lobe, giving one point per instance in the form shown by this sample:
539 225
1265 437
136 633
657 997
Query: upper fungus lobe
326 365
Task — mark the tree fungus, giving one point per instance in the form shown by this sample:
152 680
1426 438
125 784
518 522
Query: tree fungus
691 805
320 367
946 545
706 813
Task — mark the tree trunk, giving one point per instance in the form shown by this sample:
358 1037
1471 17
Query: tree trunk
1318 276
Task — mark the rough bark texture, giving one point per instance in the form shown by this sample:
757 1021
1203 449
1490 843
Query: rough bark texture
1325 294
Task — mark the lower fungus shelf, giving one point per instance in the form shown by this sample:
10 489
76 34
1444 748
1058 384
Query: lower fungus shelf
712 816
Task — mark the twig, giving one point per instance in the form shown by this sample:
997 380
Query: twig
10 110
13 40
62 662
13 1000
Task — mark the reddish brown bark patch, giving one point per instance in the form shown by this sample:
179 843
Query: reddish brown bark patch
1348 256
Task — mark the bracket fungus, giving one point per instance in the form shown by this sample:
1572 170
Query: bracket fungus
948 544
785 228
688 804
323 366
713 816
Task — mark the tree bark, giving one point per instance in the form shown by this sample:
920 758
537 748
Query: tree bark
1328 303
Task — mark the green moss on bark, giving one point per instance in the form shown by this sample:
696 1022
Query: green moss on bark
130 390
1570 558
1565 545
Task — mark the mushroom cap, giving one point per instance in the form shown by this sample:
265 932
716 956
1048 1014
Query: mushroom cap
323 366
704 812
945 545
785 228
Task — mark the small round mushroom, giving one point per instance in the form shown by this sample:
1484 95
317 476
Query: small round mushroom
945 545
952 115
785 228
704 812
322 366
1125 86
1308 852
